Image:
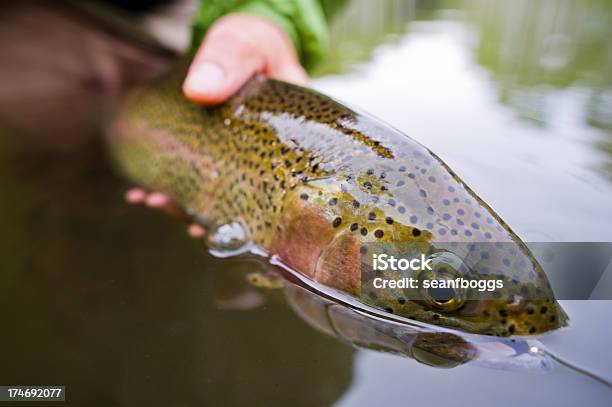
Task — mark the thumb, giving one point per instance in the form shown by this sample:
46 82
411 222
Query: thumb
236 47
224 62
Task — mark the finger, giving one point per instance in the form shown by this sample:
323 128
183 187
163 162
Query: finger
236 47
157 200
135 196
289 72
225 61
163 202
196 231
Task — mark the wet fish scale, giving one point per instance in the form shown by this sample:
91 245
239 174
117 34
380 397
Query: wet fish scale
308 179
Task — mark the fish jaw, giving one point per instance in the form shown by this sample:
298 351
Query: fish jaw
516 317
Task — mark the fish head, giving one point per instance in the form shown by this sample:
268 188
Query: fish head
333 234
487 286
463 290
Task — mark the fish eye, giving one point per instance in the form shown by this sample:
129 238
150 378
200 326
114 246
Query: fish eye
441 295
443 298
445 266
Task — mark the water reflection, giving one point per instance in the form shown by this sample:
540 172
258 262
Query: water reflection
556 45
548 60
425 345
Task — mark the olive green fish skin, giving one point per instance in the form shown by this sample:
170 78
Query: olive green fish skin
303 177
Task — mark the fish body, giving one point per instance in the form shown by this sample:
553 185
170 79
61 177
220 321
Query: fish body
298 175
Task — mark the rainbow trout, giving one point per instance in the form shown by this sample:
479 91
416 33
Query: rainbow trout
290 173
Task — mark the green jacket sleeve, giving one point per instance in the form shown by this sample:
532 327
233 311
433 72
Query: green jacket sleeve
302 20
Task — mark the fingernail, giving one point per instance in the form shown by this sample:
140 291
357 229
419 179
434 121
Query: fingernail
205 77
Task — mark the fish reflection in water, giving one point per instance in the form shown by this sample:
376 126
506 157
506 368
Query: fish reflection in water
428 345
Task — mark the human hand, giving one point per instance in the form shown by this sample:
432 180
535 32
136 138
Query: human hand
162 202
235 48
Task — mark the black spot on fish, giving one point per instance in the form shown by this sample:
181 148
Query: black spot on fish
333 201
389 220
378 233
337 222
532 330
354 227
503 313
356 204
371 216
416 232
364 231
304 197
511 329
389 310
529 310
401 300
544 310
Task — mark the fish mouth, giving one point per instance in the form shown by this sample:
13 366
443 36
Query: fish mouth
515 317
